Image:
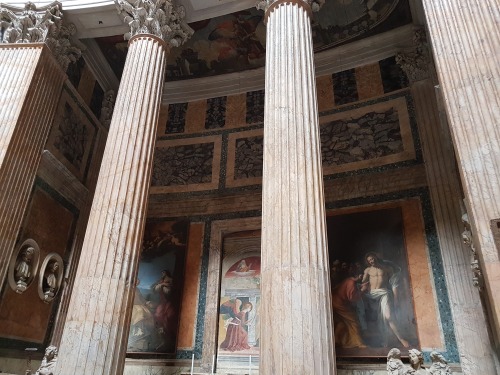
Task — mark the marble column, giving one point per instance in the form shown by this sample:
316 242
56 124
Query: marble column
31 80
466 49
296 317
94 339
469 320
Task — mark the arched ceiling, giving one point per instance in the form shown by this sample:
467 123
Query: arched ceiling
236 41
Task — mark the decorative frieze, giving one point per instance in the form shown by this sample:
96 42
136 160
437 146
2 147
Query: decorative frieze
157 17
416 63
41 25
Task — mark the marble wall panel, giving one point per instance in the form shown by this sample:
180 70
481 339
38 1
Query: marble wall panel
73 134
244 162
324 86
215 117
186 165
176 120
369 81
236 111
50 222
344 87
189 306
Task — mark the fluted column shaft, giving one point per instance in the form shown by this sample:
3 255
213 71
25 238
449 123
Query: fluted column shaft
297 330
466 51
95 335
30 85
444 185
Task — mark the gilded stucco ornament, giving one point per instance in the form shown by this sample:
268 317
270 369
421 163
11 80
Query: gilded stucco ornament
157 17
40 25
314 4
416 63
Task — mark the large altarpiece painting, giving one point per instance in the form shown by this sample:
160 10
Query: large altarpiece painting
155 316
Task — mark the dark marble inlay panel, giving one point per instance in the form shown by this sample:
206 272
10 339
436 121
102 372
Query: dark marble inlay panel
182 165
344 87
249 157
370 136
216 113
393 77
255 107
176 120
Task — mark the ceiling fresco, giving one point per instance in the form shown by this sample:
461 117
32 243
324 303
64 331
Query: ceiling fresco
236 42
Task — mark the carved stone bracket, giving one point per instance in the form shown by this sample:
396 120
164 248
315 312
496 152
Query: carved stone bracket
157 17
477 278
108 104
39 25
416 63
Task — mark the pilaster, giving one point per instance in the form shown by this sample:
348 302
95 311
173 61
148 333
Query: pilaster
30 85
295 287
466 49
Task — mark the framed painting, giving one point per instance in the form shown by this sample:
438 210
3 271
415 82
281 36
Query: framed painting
155 315
373 306
239 329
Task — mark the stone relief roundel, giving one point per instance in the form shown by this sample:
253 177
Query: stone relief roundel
50 277
23 266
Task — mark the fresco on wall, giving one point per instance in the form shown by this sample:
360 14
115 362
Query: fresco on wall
236 42
371 293
239 303
155 316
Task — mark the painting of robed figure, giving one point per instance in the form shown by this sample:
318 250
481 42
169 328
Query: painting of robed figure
371 296
155 315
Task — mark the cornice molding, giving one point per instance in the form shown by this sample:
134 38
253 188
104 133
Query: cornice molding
365 51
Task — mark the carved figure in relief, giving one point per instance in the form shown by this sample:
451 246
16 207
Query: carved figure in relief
439 365
51 280
395 365
48 364
23 269
383 281
416 362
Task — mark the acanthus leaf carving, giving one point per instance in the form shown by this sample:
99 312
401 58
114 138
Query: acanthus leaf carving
157 17
42 25
477 274
314 4
416 63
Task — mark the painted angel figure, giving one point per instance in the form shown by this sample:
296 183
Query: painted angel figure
235 316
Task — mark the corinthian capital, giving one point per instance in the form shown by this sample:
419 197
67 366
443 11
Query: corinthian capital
416 63
266 4
158 17
32 25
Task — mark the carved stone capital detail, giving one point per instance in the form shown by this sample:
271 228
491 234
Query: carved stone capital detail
157 17
108 104
33 25
416 63
477 274
264 5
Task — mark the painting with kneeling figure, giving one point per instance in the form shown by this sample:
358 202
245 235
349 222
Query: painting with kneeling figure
371 287
155 315
239 301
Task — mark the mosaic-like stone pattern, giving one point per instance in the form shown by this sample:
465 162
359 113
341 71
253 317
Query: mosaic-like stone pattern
344 87
255 107
182 165
216 113
176 120
248 158
393 77
370 136
72 137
